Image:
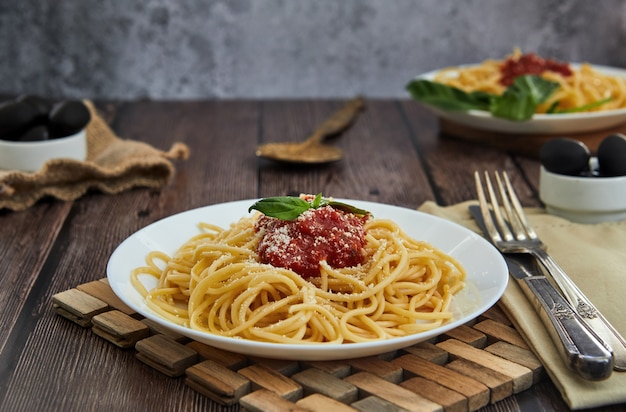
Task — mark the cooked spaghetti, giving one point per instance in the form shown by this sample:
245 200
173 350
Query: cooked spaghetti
216 283
580 87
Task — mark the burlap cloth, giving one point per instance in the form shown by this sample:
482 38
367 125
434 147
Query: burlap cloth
112 165
595 258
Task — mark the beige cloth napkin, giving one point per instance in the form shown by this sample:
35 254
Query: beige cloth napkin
112 165
595 258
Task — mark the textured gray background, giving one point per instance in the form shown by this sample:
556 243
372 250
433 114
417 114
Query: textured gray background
182 49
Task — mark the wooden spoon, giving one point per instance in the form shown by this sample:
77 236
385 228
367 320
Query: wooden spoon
312 150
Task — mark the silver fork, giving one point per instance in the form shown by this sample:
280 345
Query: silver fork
518 236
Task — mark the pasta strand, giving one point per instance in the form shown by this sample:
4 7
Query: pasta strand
215 283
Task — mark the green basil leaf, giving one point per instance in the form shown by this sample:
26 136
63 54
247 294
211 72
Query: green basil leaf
553 108
538 88
281 207
344 207
317 201
518 102
514 105
447 97
289 208
585 107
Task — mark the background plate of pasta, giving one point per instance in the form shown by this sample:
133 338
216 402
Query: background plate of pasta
202 274
580 97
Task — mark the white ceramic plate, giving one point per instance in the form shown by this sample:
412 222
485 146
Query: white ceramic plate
565 123
487 276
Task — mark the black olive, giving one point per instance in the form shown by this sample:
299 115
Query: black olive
612 155
15 118
565 156
40 104
37 133
68 117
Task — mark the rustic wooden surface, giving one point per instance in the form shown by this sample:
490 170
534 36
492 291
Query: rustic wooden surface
394 155
523 143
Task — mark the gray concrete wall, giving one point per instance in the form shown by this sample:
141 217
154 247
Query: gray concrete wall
182 49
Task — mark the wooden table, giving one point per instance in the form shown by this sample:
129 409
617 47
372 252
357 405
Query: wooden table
394 155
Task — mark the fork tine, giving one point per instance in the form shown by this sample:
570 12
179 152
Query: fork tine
514 221
495 206
484 210
518 208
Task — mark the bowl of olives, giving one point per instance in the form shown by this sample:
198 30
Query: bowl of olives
34 130
581 187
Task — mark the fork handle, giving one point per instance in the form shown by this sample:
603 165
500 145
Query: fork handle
587 311
582 351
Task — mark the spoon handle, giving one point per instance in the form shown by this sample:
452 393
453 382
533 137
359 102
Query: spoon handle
338 121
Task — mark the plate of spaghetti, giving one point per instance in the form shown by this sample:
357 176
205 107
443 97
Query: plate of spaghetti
307 278
525 93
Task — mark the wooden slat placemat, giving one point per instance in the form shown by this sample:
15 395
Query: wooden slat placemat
467 368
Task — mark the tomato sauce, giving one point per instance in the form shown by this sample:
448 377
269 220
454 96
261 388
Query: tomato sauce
324 234
530 63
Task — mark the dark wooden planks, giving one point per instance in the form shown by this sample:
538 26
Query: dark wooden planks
222 137
394 155
77 248
26 240
380 164
451 162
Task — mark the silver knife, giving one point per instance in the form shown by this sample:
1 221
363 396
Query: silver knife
581 349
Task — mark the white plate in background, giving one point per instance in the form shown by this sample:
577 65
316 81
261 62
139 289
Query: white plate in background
564 123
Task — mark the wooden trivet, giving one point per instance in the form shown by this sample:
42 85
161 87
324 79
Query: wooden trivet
119 328
523 143
464 369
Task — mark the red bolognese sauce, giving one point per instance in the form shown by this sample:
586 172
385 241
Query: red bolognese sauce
530 63
323 234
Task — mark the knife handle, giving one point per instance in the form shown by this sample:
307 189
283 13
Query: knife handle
581 349
587 311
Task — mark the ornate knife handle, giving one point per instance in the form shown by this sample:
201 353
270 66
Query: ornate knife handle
585 309
581 349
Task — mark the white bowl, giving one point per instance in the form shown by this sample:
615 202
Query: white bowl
583 199
31 156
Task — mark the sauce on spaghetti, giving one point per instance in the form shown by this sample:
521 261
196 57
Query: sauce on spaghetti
324 234
530 63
